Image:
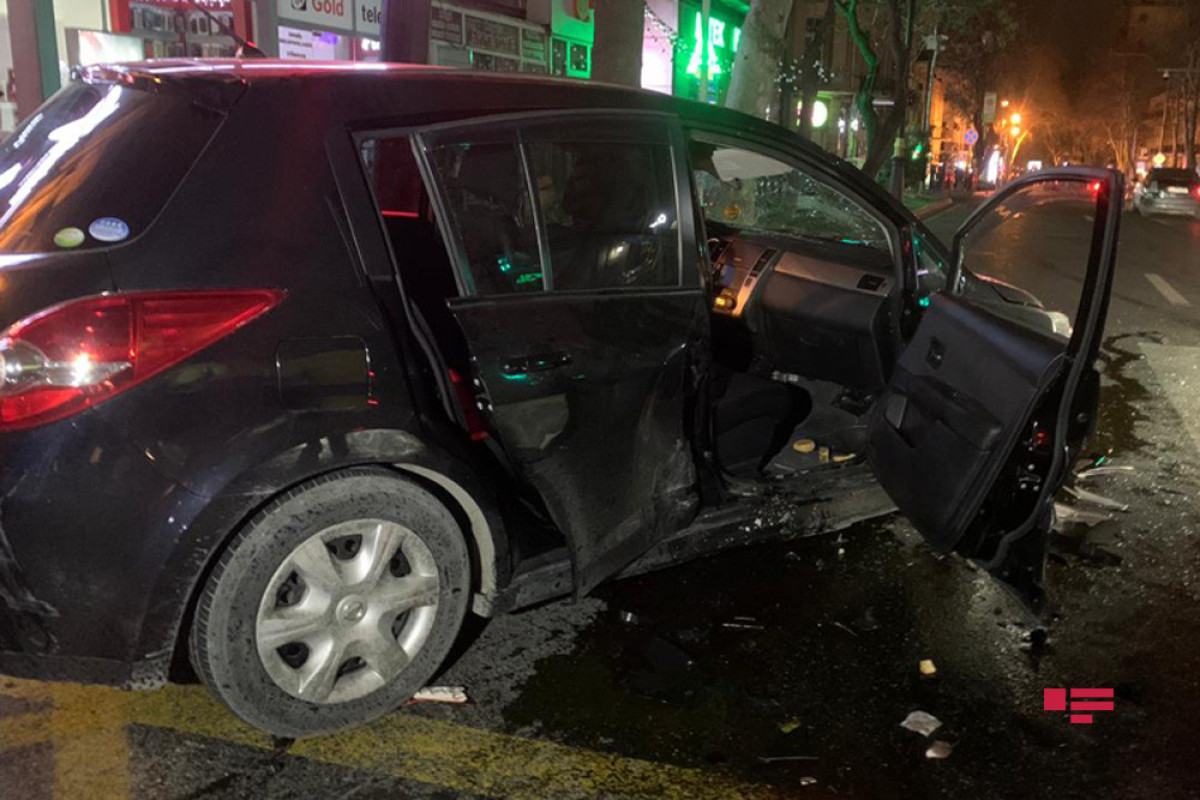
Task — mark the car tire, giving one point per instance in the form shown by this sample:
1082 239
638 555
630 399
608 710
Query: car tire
340 670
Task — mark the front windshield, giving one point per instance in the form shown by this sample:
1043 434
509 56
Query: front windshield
747 190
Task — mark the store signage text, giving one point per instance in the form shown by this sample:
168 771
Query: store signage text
368 17
335 14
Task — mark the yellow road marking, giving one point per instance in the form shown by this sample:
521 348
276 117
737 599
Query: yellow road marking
91 748
452 756
23 731
92 756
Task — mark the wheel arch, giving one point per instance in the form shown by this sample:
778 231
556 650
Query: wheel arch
452 480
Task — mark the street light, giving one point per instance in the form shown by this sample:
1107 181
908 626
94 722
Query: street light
1016 118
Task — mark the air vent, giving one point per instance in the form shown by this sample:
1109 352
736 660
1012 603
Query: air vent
871 283
762 262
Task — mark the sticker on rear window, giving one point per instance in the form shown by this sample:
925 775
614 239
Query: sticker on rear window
109 229
69 237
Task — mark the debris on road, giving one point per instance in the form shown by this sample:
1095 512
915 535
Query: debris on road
804 446
789 725
939 749
744 624
846 628
1070 515
775 759
927 667
441 694
921 722
1093 499
807 780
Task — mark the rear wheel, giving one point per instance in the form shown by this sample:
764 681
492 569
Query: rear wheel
333 605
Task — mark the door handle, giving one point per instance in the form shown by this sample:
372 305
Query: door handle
539 363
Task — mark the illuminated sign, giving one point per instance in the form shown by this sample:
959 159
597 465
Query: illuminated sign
706 56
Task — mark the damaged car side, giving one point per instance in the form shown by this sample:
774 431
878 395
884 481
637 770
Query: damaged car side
467 343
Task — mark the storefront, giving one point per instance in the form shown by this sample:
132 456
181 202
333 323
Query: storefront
48 38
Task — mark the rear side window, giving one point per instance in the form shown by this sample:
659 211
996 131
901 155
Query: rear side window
1177 178
488 205
609 212
95 165
559 206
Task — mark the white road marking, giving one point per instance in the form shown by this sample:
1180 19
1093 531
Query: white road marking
1166 290
1177 370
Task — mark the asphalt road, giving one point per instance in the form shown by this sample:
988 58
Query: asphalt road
782 669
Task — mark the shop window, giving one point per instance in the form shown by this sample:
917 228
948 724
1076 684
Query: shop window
488 206
609 212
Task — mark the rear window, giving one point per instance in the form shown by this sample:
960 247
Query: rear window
95 165
1176 177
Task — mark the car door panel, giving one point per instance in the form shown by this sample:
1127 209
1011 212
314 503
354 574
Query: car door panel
964 388
583 337
598 428
983 417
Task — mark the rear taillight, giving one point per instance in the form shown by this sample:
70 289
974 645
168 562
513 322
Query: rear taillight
70 357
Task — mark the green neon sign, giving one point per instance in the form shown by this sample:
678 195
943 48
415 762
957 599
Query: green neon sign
708 56
716 42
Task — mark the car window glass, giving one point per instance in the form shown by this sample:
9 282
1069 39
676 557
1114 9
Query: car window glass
487 201
747 190
932 271
95 165
609 211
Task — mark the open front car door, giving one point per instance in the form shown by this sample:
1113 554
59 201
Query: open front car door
984 416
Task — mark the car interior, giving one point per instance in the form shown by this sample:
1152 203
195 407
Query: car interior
802 279
801 285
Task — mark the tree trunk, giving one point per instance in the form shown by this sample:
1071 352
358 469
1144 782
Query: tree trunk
816 55
864 99
879 148
756 68
617 52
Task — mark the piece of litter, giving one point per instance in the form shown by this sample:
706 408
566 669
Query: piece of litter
921 722
1093 499
789 725
842 458
823 455
743 626
1070 515
846 628
939 749
1096 472
807 780
441 694
773 759
927 667
804 445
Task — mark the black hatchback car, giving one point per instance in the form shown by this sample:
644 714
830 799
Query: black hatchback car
301 363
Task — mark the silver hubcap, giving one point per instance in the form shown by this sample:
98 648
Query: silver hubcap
347 611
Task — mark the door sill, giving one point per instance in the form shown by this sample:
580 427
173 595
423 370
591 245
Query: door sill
821 502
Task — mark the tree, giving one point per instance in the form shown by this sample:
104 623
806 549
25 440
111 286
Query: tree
817 53
617 51
980 38
757 65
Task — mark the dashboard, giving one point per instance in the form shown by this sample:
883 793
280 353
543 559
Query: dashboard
815 309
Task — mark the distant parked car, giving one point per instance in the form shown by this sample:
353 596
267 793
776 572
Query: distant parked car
1168 191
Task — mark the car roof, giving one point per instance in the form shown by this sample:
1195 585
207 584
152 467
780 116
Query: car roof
552 94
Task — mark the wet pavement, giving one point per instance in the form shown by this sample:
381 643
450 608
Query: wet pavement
778 670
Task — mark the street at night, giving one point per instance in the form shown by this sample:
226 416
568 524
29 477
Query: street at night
681 700
599 399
